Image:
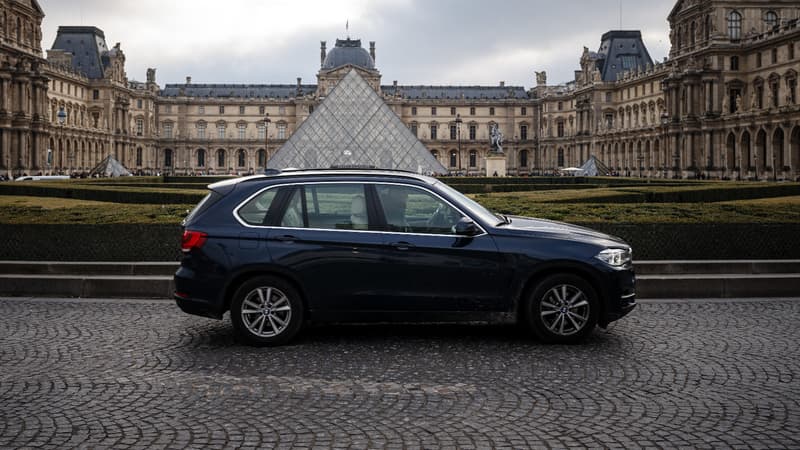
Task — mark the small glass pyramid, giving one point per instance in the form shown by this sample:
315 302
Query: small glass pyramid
354 128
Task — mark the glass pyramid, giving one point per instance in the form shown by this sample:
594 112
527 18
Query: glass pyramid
354 128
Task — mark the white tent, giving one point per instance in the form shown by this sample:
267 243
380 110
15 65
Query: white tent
573 171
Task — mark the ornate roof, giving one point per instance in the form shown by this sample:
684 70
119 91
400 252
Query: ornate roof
348 51
88 48
622 51
237 90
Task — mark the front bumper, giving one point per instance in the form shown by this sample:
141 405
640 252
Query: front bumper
621 297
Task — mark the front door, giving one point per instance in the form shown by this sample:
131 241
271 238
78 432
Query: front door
426 266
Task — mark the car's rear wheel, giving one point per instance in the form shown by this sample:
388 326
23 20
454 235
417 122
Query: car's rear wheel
266 311
562 309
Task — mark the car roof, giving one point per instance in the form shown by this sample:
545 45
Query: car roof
325 173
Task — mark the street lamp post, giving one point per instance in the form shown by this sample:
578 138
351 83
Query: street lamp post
664 124
267 121
62 118
458 131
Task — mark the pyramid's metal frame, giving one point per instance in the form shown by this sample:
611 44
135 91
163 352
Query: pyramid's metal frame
353 127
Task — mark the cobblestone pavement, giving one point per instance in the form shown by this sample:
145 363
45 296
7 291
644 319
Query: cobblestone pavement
84 373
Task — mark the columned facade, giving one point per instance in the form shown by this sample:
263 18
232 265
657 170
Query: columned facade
724 105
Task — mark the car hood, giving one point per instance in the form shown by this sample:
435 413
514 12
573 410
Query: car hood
531 226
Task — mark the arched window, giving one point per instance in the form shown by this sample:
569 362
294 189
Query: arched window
221 158
167 158
707 28
241 158
201 158
561 157
139 157
453 159
692 33
435 154
771 20
523 158
473 158
735 26
262 158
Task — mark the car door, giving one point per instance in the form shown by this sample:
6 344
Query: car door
426 266
322 236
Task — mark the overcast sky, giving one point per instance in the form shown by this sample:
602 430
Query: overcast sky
458 42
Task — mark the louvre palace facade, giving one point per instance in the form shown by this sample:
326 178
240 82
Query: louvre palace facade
723 105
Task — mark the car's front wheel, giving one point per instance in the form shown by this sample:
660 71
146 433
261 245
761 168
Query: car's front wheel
562 309
266 311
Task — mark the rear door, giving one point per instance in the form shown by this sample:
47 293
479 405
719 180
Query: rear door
322 235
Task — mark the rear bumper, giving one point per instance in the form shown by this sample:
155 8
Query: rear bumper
198 307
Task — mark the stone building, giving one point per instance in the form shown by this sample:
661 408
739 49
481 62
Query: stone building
723 105
23 87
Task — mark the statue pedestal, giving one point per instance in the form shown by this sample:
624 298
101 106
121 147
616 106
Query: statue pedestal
496 165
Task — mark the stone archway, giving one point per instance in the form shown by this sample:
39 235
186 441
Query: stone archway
778 152
761 151
795 156
730 154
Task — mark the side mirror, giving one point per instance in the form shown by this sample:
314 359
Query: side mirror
466 227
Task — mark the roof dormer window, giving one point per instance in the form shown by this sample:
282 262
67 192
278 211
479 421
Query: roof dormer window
735 26
771 20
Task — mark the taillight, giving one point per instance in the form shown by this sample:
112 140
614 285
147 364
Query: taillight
192 240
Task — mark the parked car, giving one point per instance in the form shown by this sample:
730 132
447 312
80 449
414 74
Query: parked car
361 245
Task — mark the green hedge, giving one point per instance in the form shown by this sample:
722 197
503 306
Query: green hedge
162 242
101 193
488 188
697 194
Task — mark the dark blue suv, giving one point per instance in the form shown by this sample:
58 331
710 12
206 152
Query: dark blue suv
362 246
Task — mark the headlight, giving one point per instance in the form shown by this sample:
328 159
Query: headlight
615 257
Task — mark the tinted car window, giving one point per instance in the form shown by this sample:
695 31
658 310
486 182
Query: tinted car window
255 211
413 210
293 216
327 207
336 206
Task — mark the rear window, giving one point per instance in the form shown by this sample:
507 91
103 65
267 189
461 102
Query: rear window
204 204
254 212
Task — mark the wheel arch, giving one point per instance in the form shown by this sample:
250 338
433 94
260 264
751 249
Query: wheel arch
584 271
258 271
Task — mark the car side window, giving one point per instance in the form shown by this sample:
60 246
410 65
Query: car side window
293 216
327 207
412 210
336 206
255 211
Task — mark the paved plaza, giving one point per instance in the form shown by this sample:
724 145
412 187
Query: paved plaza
102 373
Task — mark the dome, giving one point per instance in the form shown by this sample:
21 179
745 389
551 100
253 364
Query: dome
348 51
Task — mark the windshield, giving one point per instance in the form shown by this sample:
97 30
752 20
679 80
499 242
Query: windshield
475 208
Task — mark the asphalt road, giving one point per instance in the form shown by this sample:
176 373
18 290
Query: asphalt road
111 373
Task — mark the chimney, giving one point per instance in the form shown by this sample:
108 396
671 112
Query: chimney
188 80
299 89
322 52
372 50
502 84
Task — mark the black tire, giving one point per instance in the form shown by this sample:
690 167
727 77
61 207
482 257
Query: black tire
266 311
562 309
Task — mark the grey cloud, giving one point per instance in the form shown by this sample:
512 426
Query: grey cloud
415 45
